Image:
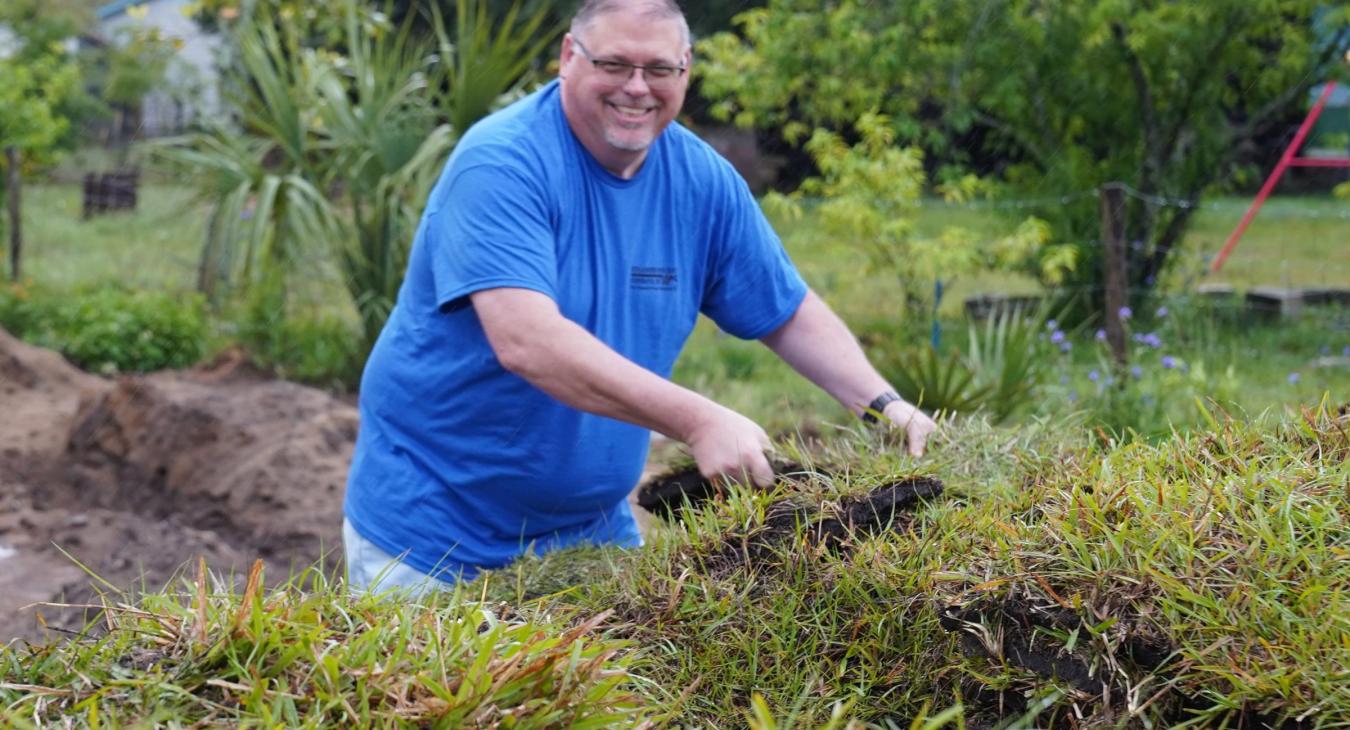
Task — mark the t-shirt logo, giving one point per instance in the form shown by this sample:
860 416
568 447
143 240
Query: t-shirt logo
654 277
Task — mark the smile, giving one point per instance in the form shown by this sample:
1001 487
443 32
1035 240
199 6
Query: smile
634 113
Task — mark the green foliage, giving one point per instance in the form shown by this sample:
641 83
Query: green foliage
307 655
1141 398
40 95
109 330
1007 359
340 149
487 59
870 192
306 346
1060 99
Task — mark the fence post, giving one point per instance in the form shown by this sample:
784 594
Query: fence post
15 219
1113 261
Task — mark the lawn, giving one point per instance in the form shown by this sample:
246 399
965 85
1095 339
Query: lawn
1109 557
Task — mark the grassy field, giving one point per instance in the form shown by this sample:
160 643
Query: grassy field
1056 582
1067 575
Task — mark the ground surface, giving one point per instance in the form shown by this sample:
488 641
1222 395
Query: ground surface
134 477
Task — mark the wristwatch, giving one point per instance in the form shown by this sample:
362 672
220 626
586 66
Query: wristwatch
878 405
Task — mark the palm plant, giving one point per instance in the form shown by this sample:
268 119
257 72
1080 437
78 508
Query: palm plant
1006 360
379 124
268 206
485 64
341 150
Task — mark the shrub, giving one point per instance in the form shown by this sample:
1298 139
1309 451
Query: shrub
109 330
1007 360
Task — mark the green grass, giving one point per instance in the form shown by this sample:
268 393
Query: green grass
154 247
1185 563
1202 579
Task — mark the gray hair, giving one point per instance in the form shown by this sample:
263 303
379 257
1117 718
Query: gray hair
653 9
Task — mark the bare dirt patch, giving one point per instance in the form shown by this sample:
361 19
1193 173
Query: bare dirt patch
134 477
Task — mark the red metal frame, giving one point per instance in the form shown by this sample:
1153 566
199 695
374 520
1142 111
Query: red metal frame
1287 160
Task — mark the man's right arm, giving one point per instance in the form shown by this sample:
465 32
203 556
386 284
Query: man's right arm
532 339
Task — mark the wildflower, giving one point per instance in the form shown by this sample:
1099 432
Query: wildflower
1094 376
1052 324
1162 312
1073 396
1063 380
1137 372
1324 350
1169 362
1294 378
1153 340
1345 351
1057 337
1065 346
1125 313
1101 335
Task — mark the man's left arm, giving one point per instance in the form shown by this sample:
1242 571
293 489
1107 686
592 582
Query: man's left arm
817 344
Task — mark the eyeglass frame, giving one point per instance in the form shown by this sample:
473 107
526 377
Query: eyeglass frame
676 72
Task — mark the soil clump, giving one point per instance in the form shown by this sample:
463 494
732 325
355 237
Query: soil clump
136 476
668 494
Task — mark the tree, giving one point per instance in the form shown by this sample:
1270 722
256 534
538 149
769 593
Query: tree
39 79
1052 98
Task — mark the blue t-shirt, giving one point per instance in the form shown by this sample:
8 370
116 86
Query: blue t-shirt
460 464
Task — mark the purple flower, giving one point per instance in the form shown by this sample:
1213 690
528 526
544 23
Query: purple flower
1153 340
1137 372
1101 335
1345 351
1063 380
1324 350
1052 324
1294 378
1162 312
1125 313
1073 396
1169 362
1094 376
1065 346
1057 337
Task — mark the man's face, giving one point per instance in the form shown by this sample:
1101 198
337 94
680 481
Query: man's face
618 113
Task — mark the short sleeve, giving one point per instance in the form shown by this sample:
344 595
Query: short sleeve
492 228
753 288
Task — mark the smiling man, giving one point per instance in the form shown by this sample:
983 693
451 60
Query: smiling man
561 263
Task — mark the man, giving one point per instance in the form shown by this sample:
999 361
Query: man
560 264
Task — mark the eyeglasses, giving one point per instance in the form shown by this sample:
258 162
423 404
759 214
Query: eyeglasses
657 76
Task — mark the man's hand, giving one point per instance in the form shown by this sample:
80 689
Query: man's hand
918 427
728 446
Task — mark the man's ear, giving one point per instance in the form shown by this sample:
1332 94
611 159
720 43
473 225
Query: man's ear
565 55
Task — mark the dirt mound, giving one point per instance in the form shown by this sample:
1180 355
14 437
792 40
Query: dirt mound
135 477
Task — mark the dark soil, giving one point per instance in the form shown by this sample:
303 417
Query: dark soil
667 495
137 476
1019 632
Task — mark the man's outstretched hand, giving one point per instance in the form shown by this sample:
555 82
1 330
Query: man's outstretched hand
728 446
918 427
